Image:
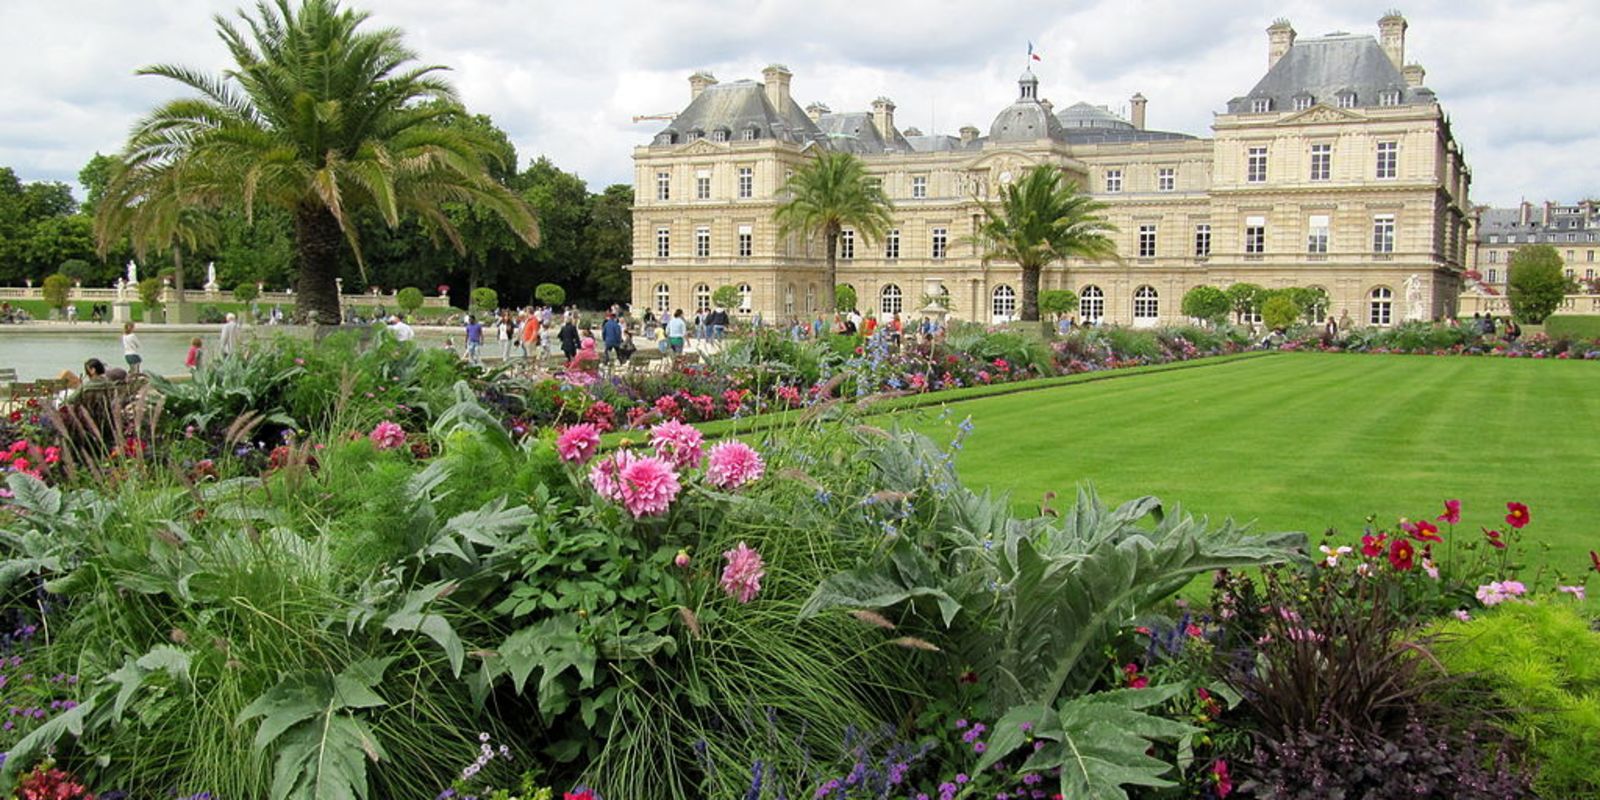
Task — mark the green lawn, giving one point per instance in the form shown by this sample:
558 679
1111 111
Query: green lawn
1312 441
1584 327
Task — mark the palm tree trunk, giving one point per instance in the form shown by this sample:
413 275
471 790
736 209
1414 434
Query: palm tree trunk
832 276
175 314
1030 293
318 245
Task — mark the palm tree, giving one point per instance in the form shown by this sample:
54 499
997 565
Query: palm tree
1039 219
326 121
156 212
832 193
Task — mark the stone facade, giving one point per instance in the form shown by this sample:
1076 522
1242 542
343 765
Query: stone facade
1573 230
1338 170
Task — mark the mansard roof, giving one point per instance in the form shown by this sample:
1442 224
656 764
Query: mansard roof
854 132
1324 68
738 106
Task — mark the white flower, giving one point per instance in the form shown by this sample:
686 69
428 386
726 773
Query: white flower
1333 554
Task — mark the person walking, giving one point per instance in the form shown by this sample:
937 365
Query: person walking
677 330
506 332
611 336
474 339
130 349
228 339
530 333
570 339
400 330
192 360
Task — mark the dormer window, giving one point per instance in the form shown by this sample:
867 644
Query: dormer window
1389 98
1302 102
1261 105
719 135
696 135
666 138
1347 99
750 134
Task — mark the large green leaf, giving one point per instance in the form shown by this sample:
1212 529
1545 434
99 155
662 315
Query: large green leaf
322 748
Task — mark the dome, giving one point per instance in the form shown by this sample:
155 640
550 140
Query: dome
1083 115
1027 119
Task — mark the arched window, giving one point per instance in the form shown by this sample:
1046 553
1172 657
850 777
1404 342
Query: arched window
663 299
1146 305
702 297
1091 304
811 298
1003 303
746 298
1380 306
788 300
890 300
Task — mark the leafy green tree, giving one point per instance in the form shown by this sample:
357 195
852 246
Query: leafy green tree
55 239
562 202
1039 220
1536 286
550 294
1280 311
95 177
76 269
150 295
485 299
1245 299
1206 302
829 194
1313 301
409 299
246 292
322 119
1058 302
56 289
844 297
726 297
609 244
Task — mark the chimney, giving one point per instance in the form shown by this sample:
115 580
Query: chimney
1526 218
883 118
816 110
1049 107
1137 103
1414 74
1549 213
1392 34
698 83
969 134
1280 37
777 78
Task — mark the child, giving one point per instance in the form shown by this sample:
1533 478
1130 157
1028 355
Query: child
130 348
192 361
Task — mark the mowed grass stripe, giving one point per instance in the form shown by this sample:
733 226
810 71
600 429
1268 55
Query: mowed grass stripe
1308 441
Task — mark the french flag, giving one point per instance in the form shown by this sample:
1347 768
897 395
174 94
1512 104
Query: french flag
1031 54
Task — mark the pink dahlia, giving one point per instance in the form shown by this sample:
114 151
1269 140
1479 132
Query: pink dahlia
578 443
387 435
741 579
647 486
734 464
678 443
603 476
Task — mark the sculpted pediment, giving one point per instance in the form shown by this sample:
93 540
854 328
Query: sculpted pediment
700 147
1321 113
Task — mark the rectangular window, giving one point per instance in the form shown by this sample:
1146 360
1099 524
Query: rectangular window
702 242
1166 179
891 245
1494 256
1113 181
1347 100
663 186
847 245
1147 241
1494 238
1302 102
919 187
1589 256
746 237
1383 233
663 242
747 182
1202 240
1321 161
1494 275
1261 105
1317 235
1255 168
941 242
1571 273
1389 98
702 185
1588 274
1388 159
1255 235
1570 259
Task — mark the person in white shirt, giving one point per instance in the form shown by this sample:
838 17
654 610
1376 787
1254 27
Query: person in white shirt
401 331
677 331
130 348
229 338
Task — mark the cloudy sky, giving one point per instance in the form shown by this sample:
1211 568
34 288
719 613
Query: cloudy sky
565 78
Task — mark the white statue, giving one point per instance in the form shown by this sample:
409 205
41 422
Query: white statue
1416 299
122 289
211 276
133 272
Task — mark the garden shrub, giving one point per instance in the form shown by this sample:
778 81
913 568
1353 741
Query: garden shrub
409 299
550 294
1540 664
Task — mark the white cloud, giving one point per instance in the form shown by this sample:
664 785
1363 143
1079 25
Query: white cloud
564 79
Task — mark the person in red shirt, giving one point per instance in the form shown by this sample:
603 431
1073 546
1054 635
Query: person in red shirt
192 360
530 334
869 326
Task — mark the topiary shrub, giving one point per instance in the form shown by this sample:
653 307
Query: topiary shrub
77 269
485 299
550 294
245 292
1059 302
1535 286
56 288
150 294
1280 311
409 299
725 297
1541 662
1206 303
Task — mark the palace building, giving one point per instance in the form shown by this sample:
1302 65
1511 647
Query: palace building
1573 230
1336 170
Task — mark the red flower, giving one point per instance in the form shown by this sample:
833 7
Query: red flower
581 794
1401 554
969 677
1219 773
1423 531
1134 679
1452 512
1372 546
1516 515
1494 539
1594 558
